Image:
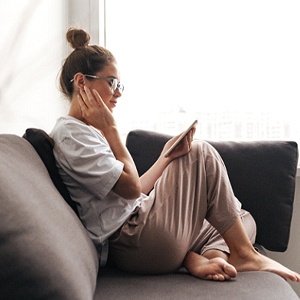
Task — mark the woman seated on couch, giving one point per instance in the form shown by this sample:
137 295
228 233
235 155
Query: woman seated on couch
191 217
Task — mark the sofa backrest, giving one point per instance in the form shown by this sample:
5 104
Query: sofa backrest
262 174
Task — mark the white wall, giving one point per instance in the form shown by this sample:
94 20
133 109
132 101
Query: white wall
32 48
290 258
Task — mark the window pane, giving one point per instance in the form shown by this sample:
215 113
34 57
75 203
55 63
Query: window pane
31 52
234 65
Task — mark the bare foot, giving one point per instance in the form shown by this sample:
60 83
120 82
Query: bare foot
217 269
255 261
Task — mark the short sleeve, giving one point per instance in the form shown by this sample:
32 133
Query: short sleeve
85 155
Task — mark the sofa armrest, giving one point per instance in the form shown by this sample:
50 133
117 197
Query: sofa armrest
262 175
45 251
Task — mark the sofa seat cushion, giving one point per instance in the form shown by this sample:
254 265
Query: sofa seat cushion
113 284
45 252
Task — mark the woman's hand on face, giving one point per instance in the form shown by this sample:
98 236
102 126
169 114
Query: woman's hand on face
94 111
182 148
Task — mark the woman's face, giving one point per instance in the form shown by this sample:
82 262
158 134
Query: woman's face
107 85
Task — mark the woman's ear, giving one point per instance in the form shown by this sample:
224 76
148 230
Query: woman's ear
79 80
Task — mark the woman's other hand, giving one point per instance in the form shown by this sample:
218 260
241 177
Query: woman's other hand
94 111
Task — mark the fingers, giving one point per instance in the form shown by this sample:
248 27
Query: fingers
87 104
98 98
190 136
189 139
90 99
81 102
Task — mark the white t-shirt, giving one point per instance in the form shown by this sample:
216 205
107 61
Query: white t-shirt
89 169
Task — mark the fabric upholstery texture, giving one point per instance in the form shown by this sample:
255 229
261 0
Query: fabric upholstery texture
45 252
262 175
263 178
114 284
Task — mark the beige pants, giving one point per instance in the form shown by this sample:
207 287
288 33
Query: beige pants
190 207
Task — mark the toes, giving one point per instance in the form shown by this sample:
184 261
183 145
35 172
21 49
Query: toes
216 277
216 269
219 277
229 270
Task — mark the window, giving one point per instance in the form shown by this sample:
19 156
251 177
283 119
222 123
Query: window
234 65
31 51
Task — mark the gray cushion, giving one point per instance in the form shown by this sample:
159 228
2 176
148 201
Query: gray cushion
45 252
262 175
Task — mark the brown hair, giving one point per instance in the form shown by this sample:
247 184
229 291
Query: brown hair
85 59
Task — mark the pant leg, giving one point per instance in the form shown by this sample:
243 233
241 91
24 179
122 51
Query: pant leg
210 238
156 238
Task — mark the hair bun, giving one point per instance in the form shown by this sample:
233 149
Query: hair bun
77 38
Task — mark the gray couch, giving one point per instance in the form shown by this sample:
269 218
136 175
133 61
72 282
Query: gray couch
45 252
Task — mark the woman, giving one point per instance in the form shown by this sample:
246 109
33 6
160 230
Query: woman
191 217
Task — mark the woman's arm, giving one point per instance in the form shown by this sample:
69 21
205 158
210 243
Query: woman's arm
95 113
149 178
128 185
